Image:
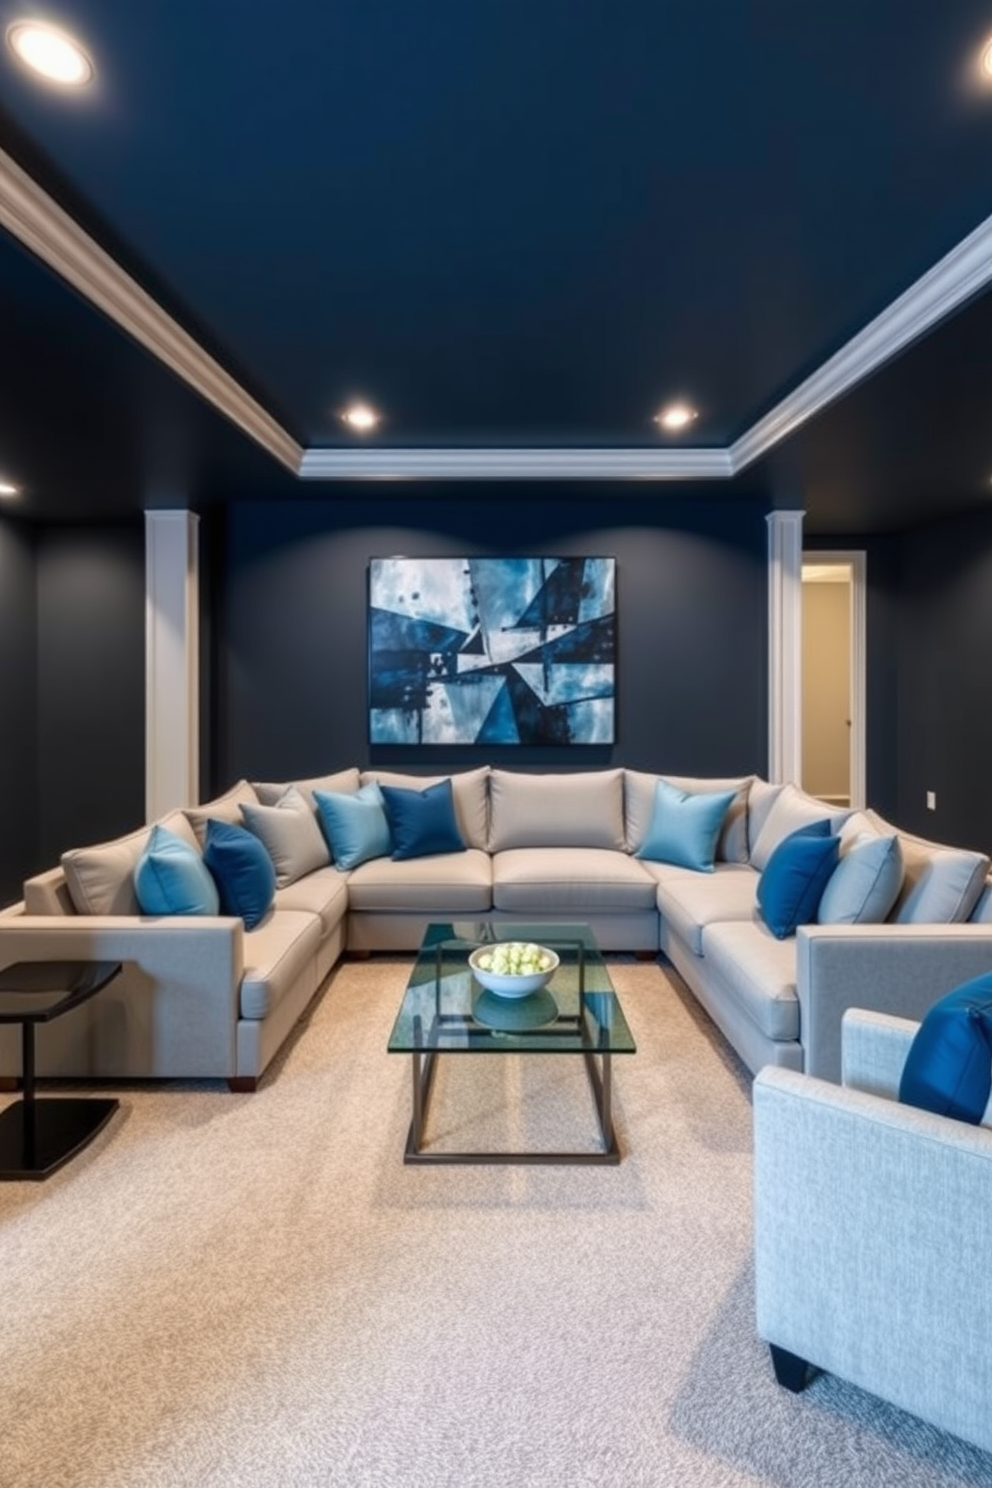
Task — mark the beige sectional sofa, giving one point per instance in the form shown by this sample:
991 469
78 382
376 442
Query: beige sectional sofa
204 997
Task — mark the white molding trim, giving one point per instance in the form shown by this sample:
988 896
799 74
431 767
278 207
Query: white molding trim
516 464
857 560
954 279
785 649
31 215
172 661
37 221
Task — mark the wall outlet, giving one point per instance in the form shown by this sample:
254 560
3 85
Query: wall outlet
931 800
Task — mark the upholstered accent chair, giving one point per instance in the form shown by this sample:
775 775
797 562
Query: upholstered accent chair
873 1234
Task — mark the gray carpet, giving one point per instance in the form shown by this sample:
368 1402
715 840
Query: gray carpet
254 1291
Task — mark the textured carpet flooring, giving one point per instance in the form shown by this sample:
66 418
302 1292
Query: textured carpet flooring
254 1291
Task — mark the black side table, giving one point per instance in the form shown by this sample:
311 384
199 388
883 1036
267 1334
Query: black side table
38 1136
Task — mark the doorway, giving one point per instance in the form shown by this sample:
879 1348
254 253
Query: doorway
833 676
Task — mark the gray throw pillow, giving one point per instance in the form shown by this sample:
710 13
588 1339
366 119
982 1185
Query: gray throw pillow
290 832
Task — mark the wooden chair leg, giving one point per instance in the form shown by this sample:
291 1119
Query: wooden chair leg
790 1371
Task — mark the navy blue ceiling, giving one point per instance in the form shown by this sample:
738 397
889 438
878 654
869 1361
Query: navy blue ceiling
508 224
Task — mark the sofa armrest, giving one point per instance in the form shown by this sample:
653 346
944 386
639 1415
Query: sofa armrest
178 995
873 1227
898 969
874 1048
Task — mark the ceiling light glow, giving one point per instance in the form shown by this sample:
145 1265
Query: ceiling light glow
53 54
360 417
676 416
6 489
987 59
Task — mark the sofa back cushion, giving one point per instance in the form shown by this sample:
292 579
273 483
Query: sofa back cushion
638 808
226 808
100 879
584 809
269 792
940 885
469 789
791 809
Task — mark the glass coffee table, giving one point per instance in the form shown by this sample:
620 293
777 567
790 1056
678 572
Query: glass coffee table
446 1011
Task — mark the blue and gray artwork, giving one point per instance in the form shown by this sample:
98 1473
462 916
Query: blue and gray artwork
492 650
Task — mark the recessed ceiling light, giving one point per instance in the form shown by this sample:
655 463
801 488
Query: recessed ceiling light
360 417
676 416
987 59
6 489
50 52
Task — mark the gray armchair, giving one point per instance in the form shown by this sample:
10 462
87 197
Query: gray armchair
873 1235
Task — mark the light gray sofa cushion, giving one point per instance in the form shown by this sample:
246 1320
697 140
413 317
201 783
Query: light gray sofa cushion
567 881
100 879
270 793
323 893
638 805
791 809
580 810
291 836
694 900
225 808
940 885
280 954
441 884
759 971
469 790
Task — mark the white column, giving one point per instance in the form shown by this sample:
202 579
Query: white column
785 644
172 681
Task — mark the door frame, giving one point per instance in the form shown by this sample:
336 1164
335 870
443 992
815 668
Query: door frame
857 560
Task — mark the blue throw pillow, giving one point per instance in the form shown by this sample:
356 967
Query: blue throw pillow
794 878
242 869
422 822
354 824
685 826
949 1065
171 878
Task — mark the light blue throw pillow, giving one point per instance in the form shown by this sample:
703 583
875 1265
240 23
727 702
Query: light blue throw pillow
865 884
685 826
172 879
354 824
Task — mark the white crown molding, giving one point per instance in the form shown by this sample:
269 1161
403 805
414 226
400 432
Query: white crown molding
31 215
516 464
47 230
953 280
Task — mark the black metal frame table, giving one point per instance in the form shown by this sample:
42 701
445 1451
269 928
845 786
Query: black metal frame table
445 1011
39 1135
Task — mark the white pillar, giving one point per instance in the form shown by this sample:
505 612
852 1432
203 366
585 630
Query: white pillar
172 680
785 644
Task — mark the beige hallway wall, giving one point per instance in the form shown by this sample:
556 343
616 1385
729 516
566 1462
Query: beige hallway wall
827 688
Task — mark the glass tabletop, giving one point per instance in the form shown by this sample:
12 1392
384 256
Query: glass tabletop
444 1008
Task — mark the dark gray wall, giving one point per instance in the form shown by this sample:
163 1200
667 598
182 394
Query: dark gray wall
945 680
91 682
18 710
290 661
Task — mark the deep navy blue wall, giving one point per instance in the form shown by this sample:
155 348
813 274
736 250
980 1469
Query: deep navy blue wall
290 612
945 680
91 681
18 709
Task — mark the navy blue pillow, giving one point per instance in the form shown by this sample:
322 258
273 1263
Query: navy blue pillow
949 1065
795 876
242 870
422 822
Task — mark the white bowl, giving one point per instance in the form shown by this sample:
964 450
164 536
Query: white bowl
505 985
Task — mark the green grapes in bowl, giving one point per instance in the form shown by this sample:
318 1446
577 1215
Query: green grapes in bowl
513 968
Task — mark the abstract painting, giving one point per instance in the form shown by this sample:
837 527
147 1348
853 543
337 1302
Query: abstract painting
492 650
